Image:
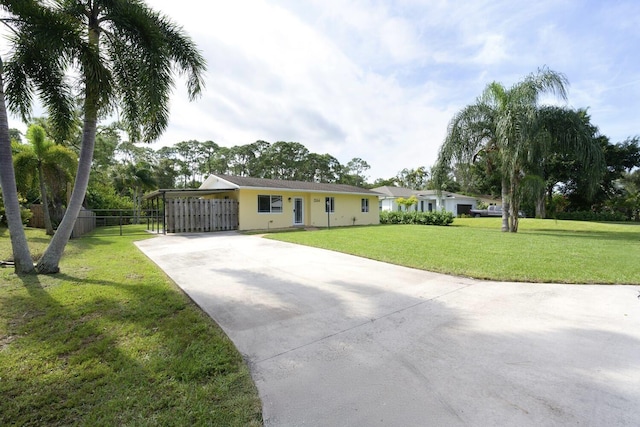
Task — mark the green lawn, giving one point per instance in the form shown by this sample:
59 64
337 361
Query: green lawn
112 341
541 251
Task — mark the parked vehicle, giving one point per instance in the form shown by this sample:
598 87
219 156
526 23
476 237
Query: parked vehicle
493 210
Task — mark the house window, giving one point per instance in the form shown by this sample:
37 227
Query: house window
364 205
269 204
329 204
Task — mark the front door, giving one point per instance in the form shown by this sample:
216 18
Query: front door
298 211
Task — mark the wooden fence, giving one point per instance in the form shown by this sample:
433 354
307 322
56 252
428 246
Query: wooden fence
85 222
200 215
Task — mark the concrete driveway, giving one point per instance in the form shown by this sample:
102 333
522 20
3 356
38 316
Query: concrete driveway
337 340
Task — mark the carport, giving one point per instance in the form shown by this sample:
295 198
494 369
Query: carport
182 210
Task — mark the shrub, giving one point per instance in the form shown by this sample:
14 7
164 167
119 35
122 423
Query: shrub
420 218
592 216
25 213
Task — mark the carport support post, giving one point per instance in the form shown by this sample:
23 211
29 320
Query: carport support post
164 213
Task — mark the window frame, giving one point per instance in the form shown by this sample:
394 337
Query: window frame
273 203
331 201
364 205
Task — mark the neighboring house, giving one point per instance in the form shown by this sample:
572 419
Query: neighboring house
273 203
428 200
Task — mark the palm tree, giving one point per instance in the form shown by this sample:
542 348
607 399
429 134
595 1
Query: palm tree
501 125
36 62
132 52
21 255
44 162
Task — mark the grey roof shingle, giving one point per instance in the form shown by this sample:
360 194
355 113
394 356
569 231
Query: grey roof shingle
391 191
244 181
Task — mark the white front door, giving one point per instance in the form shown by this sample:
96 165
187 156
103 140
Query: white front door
298 211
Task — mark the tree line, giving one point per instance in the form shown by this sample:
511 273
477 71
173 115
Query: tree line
122 171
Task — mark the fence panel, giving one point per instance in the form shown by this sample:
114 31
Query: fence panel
200 215
85 223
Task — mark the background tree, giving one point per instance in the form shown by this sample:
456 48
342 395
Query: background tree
562 132
284 160
47 165
353 173
416 179
407 203
133 179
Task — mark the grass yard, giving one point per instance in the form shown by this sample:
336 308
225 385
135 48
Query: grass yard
541 251
112 341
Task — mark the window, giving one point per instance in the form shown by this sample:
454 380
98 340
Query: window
329 204
269 204
364 205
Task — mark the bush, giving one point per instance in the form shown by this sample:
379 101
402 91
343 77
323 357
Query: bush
592 216
101 196
420 218
25 213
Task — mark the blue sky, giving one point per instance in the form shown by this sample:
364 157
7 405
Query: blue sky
380 80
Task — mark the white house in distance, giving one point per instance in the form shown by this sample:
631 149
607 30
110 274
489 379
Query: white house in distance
428 200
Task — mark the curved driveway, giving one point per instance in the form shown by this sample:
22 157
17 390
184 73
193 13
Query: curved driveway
337 340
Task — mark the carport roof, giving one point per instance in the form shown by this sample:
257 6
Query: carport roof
184 192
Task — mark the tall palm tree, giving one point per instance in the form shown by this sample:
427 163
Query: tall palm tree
36 61
43 162
23 262
502 125
132 53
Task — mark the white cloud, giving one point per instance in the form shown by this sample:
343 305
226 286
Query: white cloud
381 79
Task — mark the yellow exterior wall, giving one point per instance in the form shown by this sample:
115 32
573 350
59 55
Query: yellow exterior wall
346 207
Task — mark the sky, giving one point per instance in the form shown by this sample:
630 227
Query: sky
380 80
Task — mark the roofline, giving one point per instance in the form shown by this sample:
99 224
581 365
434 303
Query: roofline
224 180
186 191
302 190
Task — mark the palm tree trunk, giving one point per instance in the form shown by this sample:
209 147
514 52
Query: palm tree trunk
45 203
541 211
505 205
50 261
514 206
23 263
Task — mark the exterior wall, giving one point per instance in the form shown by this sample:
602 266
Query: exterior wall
347 210
388 205
251 219
346 207
449 204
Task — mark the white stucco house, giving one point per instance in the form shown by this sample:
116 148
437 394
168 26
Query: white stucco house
428 200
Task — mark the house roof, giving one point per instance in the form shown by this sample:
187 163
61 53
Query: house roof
396 192
392 191
235 182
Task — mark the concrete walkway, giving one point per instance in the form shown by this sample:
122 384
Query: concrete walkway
337 340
